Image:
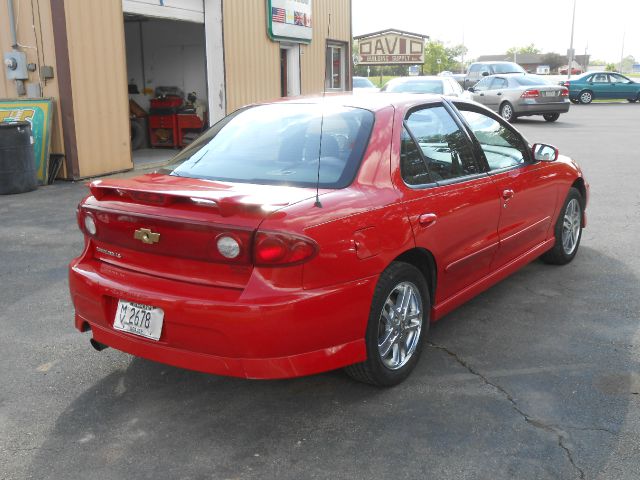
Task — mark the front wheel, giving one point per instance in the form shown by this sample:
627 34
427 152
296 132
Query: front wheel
568 230
551 117
398 322
506 112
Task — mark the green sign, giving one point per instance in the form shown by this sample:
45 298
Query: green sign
289 20
38 113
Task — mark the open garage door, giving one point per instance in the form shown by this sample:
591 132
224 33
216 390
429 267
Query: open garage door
166 71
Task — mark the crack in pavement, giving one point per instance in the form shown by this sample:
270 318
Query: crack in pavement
514 405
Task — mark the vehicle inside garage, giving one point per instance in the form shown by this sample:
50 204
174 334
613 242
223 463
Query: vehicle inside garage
166 72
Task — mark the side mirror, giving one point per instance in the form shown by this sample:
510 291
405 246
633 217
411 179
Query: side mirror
544 153
485 74
471 89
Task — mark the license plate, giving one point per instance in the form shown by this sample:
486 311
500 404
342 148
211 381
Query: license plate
143 320
548 94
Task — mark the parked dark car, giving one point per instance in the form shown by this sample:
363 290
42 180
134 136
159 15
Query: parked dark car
602 85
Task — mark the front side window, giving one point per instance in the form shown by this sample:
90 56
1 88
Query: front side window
502 147
445 148
615 78
483 84
280 145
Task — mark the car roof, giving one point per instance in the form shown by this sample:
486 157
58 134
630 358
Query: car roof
369 101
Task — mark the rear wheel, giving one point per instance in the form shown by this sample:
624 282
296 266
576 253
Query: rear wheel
551 117
574 100
506 112
398 322
585 97
568 230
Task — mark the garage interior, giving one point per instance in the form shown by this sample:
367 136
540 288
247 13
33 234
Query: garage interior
166 72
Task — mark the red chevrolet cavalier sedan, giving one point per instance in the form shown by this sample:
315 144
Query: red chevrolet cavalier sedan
303 236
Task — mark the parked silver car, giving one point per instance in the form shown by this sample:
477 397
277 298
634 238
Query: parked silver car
518 94
426 84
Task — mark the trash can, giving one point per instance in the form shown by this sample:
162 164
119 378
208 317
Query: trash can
17 158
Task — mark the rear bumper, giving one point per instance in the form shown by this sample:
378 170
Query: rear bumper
523 109
252 333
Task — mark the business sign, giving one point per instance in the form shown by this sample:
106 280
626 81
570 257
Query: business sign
391 49
38 114
290 20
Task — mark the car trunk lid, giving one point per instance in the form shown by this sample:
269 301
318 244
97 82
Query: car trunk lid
169 226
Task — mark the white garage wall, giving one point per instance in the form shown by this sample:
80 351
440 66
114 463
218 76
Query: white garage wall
174 55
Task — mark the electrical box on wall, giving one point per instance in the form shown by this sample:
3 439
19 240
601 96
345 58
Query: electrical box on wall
15 66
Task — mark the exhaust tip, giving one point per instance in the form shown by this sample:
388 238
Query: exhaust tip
97 345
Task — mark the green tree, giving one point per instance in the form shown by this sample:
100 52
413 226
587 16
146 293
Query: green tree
435 52
627 63
611 67
531 48
554 60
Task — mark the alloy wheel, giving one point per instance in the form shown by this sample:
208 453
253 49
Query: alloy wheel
571 226
399 325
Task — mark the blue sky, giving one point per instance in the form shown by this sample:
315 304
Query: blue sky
494 26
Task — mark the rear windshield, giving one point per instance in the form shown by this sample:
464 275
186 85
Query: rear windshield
507 68
529 80
417 86
280 145
359 82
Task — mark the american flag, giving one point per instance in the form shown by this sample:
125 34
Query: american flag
278 14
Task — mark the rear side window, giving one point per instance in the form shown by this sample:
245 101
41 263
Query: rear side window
280 145
498 82
445 148
412 166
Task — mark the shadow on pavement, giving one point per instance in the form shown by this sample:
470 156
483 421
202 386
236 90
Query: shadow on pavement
531 379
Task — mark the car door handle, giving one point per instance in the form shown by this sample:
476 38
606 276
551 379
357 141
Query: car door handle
499 93
427 219
482 94
507 194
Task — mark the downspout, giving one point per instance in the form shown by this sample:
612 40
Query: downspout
12 25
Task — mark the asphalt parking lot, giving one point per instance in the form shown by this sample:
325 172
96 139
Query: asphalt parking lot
537 378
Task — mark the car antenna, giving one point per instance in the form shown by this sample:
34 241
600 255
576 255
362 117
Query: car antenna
324 92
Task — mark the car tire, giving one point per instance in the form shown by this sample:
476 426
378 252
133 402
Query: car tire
506 112
585 97
574 101
390 331
551 117
568 230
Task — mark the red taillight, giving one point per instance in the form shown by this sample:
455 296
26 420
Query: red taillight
273 249
531 93
86 222
565 92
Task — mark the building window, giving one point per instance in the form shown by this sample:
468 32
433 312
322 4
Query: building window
336 67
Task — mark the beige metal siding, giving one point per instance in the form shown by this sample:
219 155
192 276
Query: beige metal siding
95 31
45 51
252 59
312 62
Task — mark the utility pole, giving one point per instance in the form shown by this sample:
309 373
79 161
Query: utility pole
573 21
622 52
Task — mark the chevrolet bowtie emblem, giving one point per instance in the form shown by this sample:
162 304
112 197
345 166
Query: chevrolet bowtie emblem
146 236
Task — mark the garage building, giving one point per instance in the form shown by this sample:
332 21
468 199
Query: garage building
218 54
